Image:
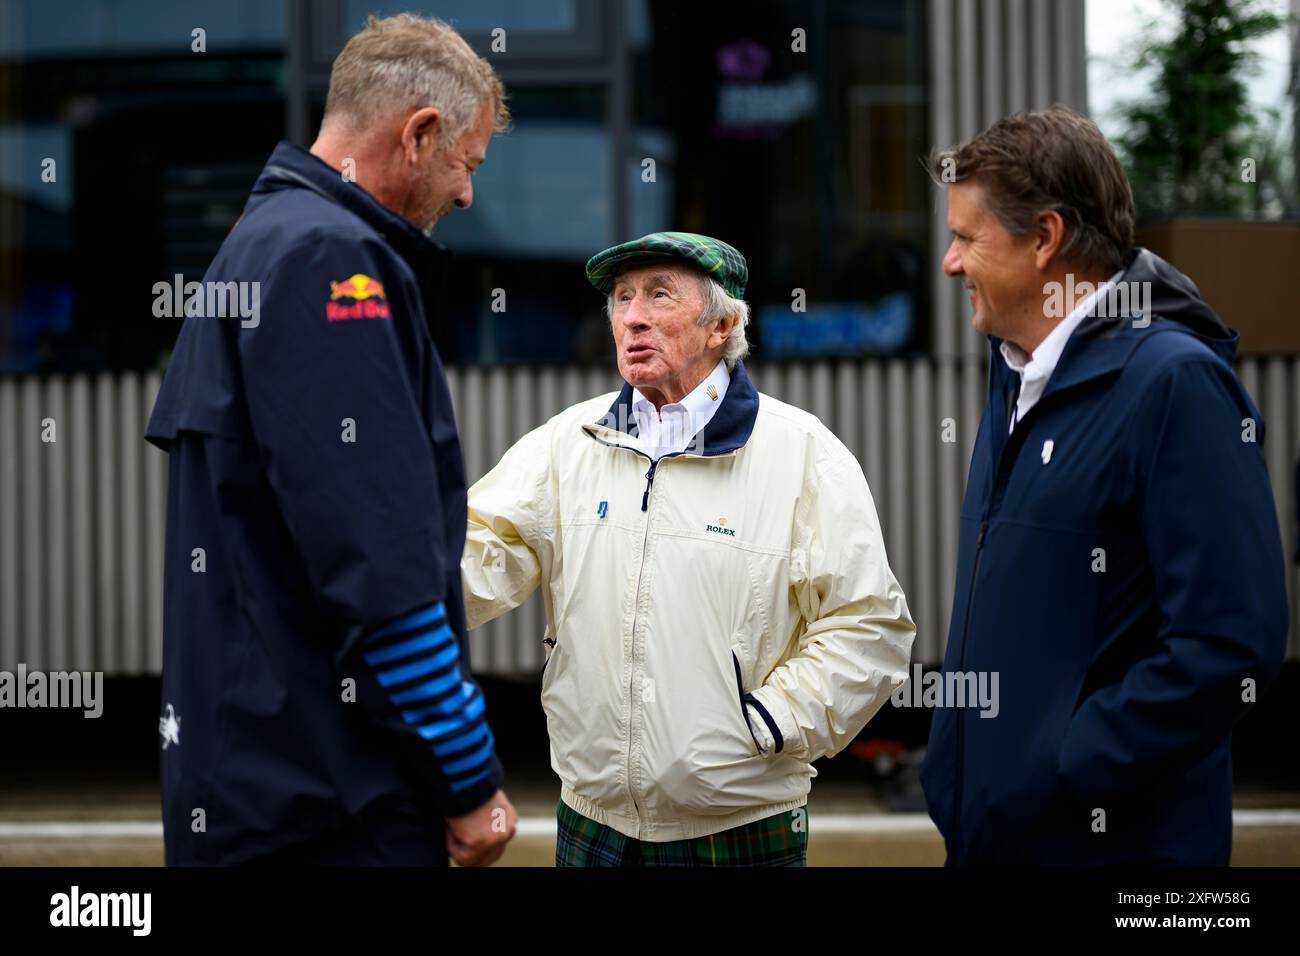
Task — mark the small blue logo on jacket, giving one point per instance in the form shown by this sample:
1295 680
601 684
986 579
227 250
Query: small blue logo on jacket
602 509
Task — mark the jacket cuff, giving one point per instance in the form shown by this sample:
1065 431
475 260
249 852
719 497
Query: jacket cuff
457 803
780 721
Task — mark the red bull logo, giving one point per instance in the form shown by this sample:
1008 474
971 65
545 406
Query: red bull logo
367 295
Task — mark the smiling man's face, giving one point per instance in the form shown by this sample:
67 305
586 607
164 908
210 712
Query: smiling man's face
662 349
996 267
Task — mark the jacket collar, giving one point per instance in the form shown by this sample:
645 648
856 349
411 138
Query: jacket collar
291 166
1098 347
728 430
1101 345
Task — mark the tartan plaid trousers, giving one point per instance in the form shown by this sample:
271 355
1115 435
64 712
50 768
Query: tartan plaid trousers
778 840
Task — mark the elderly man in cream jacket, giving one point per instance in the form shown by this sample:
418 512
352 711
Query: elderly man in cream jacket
720 611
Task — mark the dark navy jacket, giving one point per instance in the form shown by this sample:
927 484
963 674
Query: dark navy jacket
1118 687
310 542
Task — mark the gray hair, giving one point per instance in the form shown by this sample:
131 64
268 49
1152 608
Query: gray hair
718 305
407 62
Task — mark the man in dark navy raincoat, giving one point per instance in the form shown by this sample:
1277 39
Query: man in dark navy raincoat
317 701
1120 564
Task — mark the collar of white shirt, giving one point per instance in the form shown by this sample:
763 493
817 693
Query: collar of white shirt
1034 370
671 430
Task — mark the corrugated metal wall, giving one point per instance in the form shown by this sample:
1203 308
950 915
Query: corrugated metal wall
81 518
989 58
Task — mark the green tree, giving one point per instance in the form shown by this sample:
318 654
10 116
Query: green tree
1184 146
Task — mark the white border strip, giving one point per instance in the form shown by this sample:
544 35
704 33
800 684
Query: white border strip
839 824
76 830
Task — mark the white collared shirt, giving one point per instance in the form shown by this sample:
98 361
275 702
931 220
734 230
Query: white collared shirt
671 429
1034 370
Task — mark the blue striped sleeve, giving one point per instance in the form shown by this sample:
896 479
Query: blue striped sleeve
416 660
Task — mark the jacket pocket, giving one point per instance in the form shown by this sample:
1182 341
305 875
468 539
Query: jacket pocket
744 712
701 758
555 648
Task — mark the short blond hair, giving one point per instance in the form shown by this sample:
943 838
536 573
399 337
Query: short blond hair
407 62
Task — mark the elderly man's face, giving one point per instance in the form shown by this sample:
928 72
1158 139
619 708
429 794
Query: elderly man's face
996 267
444 176
661 346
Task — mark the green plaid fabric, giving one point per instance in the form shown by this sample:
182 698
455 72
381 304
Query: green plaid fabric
714 256
778 840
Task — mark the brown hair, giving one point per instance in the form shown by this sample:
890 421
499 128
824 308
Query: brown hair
1054 159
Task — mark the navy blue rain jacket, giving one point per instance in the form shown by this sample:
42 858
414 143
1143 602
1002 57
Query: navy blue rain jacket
1120 568
309 542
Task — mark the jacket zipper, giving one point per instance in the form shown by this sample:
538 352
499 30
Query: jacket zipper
631 678
961 722
1016 439
1009 404
649 480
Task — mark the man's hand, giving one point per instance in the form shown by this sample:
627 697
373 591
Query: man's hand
480 837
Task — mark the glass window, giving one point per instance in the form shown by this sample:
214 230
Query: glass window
117 173
475 16
805 161
94 27
542 206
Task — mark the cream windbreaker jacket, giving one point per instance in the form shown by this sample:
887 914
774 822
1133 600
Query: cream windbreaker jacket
750 567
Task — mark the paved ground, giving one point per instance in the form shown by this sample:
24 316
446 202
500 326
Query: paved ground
115 823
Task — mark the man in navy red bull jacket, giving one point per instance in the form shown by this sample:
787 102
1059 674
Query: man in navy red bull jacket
317 701
1120 564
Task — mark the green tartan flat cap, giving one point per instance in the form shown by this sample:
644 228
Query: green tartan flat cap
714 256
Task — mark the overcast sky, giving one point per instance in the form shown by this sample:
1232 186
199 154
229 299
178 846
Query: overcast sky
1117 27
